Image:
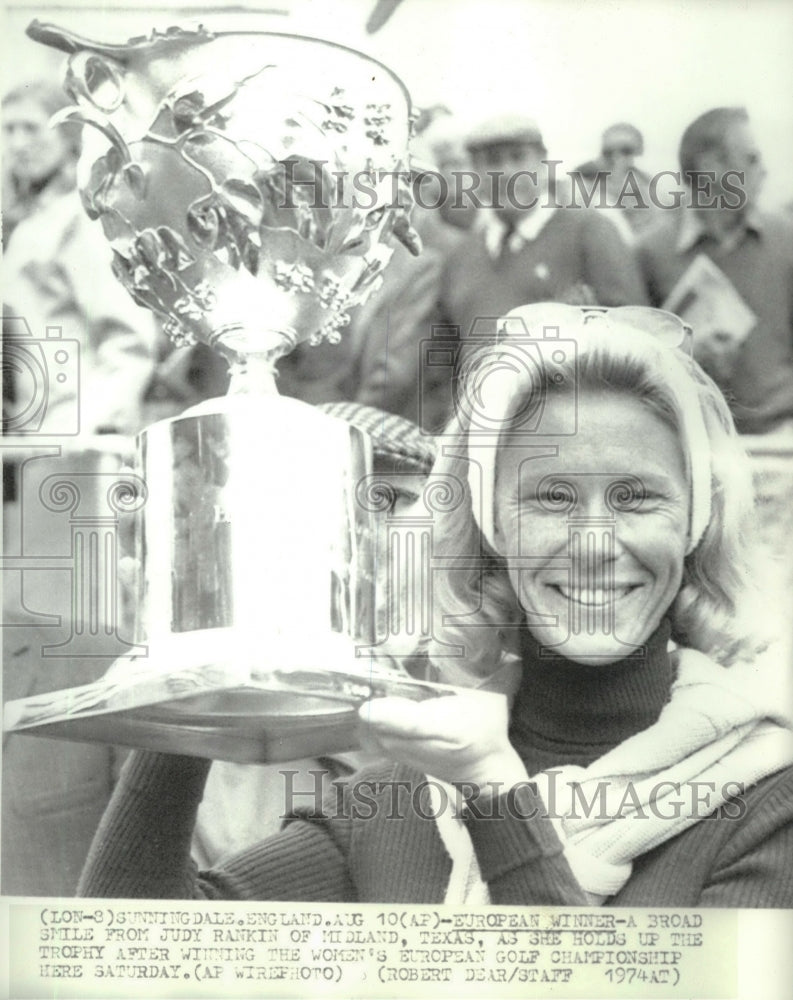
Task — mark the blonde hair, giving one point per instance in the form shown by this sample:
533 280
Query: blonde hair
475 610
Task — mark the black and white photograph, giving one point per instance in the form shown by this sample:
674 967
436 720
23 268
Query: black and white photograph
397 450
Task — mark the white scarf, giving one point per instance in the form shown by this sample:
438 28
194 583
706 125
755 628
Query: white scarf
722 725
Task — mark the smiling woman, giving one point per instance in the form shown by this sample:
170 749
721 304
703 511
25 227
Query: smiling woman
590 578
605 521
608 492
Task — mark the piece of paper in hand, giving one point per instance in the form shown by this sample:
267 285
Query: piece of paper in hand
709 302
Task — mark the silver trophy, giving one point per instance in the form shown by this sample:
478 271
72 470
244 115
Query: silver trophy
250 185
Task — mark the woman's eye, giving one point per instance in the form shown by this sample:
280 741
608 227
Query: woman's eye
626 494
558 496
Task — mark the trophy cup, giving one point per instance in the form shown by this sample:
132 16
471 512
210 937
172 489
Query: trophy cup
249 185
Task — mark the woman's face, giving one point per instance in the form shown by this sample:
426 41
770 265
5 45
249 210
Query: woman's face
594 524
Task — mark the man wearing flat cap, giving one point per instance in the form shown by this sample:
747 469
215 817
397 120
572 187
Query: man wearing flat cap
530 244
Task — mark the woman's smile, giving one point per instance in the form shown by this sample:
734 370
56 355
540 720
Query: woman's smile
595 598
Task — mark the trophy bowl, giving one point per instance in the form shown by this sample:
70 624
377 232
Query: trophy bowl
251 186
248 183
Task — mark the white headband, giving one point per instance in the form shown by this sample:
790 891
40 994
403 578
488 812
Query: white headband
505 386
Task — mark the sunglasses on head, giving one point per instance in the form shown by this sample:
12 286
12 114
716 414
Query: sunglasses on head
663 326
620 151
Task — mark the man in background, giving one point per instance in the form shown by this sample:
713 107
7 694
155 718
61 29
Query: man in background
615 179
527 245
732 264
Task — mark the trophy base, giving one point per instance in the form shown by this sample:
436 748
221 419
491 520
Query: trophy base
194 696
239 725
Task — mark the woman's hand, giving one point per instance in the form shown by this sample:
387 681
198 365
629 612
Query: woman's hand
459 738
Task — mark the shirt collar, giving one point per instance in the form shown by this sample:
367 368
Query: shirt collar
527 230
692 230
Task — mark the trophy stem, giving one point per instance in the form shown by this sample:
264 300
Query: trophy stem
252 374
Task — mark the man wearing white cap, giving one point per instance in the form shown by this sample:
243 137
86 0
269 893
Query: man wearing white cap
529 244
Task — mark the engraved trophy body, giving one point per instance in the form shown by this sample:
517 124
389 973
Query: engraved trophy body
250 185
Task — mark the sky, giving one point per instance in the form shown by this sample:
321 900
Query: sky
573 65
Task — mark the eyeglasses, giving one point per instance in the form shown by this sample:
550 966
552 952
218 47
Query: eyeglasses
540 318
621 151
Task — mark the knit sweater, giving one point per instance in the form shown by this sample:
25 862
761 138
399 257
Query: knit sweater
374 839
574 248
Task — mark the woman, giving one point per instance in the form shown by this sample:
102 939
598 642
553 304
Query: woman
596 509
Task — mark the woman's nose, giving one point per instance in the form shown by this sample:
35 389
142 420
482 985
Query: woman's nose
595 529
593 545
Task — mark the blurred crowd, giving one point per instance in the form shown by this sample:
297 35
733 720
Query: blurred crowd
502 223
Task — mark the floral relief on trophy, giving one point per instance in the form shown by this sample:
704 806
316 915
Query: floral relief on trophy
339 113
293 277
377 119
250 184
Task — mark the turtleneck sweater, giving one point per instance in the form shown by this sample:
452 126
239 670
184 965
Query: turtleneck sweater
571 713
374 839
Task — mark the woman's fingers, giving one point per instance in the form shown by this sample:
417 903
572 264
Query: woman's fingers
467 716
458 737
403 718
389 714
